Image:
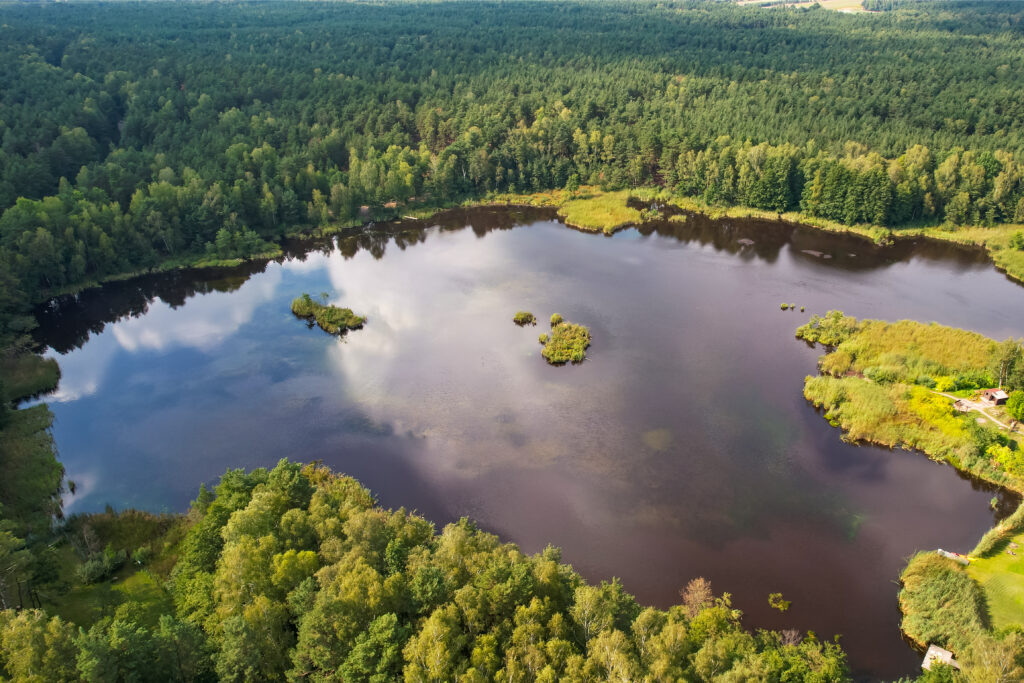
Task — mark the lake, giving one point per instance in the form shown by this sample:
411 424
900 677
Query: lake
681 447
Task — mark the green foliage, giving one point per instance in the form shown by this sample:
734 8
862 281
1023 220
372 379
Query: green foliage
556 318
377 595
524 318
26 375
1015 405
907 351
1010 459
567 342
32 478
238 244
605 212
110 165
903 361
831 329
101 566
330 319
776 601
898 415
296 573
1017 240
941 604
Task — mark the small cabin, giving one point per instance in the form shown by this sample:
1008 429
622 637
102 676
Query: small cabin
995 397
936 654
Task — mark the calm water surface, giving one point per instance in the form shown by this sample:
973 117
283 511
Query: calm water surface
682 447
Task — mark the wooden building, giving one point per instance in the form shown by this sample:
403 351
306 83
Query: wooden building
995 397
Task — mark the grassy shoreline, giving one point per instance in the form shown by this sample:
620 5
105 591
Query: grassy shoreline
590 209
878 383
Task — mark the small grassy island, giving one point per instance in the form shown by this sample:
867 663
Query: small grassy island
331 319
523 318
567 342
914 385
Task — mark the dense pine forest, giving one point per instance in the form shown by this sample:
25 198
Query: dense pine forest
136 136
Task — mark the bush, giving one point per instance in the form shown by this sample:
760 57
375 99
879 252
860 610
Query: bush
1011 459
524 318
1015 405
101 566
940 603
331 319
568 342
555 319
830 329
142 555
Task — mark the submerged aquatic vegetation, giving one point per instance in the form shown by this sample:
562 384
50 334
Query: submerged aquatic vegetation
331 319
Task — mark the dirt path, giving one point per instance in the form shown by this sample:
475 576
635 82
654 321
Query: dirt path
974 405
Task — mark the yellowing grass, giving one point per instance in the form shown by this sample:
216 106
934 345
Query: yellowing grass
996 240
600 213
895 415
919 344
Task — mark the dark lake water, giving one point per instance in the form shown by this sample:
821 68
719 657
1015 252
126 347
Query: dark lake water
681 447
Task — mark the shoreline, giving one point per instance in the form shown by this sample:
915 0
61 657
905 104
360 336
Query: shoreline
965 236
940 601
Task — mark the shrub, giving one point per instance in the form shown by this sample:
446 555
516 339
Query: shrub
1011 459
830 329
555 319
568 342
1015 405
331 319
524 318
142 555
784 306
778 602
101 566
940 603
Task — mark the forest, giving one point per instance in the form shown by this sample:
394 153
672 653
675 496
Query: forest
148 135
152 135
295 574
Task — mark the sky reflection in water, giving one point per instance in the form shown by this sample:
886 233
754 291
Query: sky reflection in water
681 447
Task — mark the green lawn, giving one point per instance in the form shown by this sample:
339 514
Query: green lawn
1001 576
